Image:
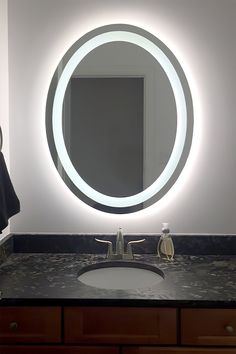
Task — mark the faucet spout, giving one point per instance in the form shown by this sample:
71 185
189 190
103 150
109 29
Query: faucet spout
120 247
120 243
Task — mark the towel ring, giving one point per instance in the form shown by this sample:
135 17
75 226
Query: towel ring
1 139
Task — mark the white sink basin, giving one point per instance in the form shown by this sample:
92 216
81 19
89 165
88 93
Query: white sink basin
121 275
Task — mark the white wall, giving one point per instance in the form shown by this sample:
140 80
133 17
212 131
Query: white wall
4 92
202 35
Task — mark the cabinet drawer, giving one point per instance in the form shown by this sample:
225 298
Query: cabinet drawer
120 325
30 324
208 326
172 350
30 349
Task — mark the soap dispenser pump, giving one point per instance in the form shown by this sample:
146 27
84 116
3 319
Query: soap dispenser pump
165 247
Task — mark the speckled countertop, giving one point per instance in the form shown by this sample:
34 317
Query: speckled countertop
51 278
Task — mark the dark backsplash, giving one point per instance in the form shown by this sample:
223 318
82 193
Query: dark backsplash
86 243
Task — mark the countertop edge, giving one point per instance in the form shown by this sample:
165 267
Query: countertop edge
118 303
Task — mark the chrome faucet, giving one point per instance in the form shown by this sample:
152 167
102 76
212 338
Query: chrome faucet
120 243
119 251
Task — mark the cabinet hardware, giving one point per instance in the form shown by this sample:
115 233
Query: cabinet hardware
229 329
13 326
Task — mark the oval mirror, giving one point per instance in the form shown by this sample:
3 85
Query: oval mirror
119 119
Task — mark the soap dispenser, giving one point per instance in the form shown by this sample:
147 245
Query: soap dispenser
165 247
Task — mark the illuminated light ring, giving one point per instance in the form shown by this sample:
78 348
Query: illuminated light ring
57 126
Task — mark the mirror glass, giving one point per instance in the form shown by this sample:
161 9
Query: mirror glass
119 119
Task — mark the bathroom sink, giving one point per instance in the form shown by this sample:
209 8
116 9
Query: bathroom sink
121 275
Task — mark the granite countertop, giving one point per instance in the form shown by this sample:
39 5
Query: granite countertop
51 278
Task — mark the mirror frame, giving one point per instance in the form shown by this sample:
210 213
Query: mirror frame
54 118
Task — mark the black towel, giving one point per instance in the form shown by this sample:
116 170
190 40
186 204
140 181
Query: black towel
9 203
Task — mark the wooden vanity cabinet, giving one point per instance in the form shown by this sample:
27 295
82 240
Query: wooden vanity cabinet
171 350
30 324
120 325
26 349
208 327
116 330
204 331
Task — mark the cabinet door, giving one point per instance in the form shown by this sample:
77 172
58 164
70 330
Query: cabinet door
23 349
208 327
30 325
119 325
153 350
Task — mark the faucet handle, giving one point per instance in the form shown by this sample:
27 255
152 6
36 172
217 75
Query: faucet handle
129 246
109 243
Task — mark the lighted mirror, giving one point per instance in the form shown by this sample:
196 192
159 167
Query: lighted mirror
119 119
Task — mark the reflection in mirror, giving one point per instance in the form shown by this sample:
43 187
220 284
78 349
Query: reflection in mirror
104 135
119 119
123 120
